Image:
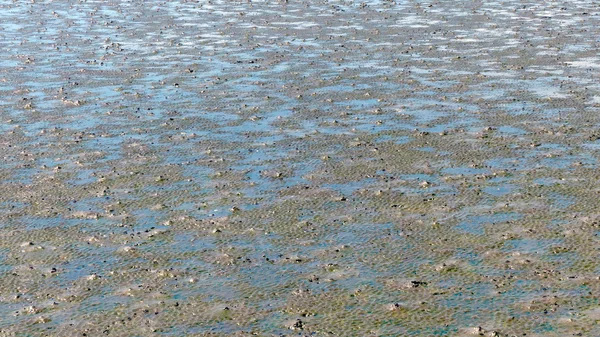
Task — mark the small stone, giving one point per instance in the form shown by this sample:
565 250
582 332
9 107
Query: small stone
395 306
128 249
298 325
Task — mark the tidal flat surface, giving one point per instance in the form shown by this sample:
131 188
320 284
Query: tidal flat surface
299 168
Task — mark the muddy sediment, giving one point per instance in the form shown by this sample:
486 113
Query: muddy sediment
299 168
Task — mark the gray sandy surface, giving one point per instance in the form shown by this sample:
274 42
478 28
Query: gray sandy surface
299 168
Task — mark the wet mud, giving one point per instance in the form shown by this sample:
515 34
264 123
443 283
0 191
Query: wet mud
299 168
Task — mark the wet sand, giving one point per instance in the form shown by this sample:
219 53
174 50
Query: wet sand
299 168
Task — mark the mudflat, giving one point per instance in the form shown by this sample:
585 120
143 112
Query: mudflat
299 168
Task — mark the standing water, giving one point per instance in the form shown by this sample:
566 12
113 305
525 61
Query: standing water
299 168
